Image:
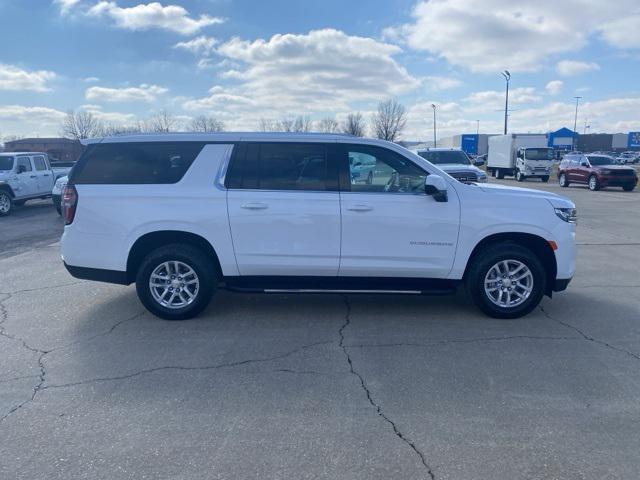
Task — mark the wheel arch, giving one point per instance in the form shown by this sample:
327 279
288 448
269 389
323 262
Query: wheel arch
152 240
7 188
537 244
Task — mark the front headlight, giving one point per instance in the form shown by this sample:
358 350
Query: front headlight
482 178
567 214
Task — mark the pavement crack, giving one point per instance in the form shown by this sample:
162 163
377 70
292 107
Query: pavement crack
185 368
48 287
101 334
459 340
374 404
588 337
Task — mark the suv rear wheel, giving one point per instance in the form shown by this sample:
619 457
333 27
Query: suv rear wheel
6 203
176 282
506 281
593 183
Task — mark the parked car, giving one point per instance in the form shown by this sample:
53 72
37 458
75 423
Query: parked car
627 157
23 176
183 215
456 163
56 193
596 171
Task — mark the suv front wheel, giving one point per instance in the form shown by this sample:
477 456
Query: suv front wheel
6 203
176 282
506 281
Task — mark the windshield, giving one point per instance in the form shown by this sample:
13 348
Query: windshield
6 163
457 157
539 154
599 160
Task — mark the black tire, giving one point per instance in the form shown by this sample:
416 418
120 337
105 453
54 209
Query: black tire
493 173
197 260
593 183
545 179
499 174
484 260
562 180
628 188
520 176
19 203
6 203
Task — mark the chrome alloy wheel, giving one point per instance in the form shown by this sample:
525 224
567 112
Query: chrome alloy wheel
508 283
174 284
5 202
593 183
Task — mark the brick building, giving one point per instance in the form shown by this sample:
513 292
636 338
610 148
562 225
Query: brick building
62 149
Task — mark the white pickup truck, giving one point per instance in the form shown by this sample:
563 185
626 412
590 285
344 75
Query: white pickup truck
24 176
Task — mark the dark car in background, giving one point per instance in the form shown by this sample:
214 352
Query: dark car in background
596 171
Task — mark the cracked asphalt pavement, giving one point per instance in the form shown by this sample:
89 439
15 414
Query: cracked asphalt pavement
321 386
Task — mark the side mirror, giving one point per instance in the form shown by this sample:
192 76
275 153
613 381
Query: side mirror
584 164
478 162
357 164
436 186
22 169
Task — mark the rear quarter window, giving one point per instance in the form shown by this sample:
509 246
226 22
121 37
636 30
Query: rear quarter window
135 163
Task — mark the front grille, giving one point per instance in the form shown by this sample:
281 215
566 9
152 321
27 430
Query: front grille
622 173
464 176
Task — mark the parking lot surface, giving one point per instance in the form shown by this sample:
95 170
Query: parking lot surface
321 386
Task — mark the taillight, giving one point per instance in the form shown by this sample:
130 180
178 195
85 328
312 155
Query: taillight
69 203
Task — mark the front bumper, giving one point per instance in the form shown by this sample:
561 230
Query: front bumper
561 284
617 181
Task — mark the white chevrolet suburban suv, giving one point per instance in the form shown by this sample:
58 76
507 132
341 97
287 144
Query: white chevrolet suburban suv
184 214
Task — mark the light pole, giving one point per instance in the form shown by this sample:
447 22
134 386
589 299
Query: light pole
507 77
433 105
477 128
586 126
575 120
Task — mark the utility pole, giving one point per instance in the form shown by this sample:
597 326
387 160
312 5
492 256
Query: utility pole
586 126
507 77
433 105
477 128
575 121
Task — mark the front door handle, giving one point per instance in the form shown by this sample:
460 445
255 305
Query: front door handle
254 206
34 176
360 208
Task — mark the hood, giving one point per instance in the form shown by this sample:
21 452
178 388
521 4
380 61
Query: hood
6 174
613 166
555 200
457 167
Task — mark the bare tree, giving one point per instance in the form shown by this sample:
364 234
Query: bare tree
267 125
389 121
81 125
301 123
112 129
206 124
354 125
328 125
162 122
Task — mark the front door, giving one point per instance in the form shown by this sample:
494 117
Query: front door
390 227
284 209
26 178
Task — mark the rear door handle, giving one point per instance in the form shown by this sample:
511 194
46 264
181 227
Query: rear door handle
254 206
360 208
34 176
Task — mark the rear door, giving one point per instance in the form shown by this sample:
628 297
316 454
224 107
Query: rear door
43 174
390 226
284 209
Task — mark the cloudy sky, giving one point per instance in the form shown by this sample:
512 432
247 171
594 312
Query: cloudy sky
242 60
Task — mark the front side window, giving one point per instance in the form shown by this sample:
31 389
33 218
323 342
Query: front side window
6 163
39 163
24 164
135 163
599 160
376 169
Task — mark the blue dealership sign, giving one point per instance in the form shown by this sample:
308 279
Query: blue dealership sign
634 140
469 144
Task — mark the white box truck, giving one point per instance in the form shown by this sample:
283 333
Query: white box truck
520 155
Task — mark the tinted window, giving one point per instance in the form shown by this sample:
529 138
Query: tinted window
539 154
375 169
281 166
6 163
446 156
39 163
135 163
600 160
24 162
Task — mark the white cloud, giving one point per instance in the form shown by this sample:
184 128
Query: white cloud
519 35
91 79
201 45
112 118
437 83
153 15
143 93
14 78
554 87
65 6
573 67
322 71
491 100
30 121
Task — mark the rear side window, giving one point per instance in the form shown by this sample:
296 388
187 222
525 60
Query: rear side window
135 163
39 163
283 166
